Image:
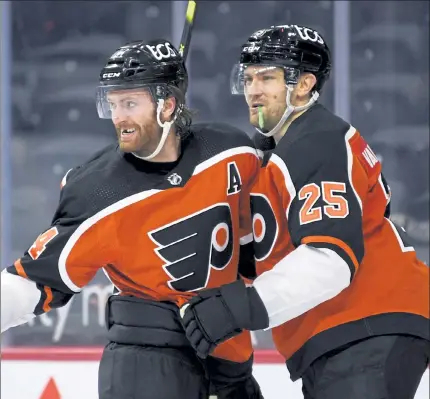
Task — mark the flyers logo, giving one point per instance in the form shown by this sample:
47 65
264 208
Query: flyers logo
192 246
264 226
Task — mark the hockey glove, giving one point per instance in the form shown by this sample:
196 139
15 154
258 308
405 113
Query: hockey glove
218 314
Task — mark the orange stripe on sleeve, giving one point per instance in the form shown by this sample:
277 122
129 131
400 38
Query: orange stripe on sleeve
19 269
335 241
48 300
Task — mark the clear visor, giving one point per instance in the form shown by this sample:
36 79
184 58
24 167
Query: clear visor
113 99
239 80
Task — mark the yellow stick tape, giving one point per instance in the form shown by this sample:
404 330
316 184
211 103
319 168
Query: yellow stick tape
190 10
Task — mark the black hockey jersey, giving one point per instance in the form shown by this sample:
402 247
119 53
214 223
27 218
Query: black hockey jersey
322 186
158 236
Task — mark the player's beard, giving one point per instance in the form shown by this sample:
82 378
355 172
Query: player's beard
144 141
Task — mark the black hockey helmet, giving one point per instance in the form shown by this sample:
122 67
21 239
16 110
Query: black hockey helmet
295 48
156 65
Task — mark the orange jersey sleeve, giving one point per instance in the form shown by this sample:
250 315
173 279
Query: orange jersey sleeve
64 258
314 199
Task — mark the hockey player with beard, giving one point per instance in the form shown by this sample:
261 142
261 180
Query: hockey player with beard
165 212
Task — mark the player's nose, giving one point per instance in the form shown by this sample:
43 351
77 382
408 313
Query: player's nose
255 100
118 115
254 88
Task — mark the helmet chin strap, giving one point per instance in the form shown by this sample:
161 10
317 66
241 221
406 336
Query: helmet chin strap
166 129
289 110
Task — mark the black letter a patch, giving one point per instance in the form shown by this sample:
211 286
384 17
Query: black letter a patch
234 181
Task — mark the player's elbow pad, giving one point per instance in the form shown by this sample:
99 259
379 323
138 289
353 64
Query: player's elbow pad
19 298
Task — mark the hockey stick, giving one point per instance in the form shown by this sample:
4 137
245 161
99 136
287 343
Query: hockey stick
190 17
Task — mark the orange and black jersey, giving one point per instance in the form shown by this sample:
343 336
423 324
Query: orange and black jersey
308 179
322 187
158 235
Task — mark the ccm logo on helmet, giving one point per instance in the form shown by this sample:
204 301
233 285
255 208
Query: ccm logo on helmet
161 51
252 48
112 75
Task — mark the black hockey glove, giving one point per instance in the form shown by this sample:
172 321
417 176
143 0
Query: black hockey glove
218 314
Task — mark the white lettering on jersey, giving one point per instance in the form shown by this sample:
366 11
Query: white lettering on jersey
161 51
370 156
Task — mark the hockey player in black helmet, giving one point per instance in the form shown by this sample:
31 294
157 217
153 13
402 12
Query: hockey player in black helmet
335 274
295 58
165 212
140 81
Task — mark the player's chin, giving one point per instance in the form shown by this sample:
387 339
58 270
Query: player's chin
128 146
253 119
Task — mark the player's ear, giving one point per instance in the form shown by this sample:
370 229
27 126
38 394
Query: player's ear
305 84
168 108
